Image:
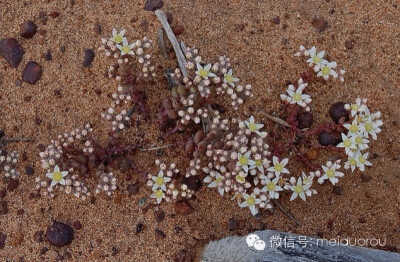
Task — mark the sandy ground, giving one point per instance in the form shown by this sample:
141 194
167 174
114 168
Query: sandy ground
261 54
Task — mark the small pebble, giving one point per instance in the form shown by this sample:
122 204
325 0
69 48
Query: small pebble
27 98
365 178
133 189
305 120
362 220
43 250
42 31
3 207
159 216
48 55
312 154
27 29
57 93
20 212
114 251
11 51
320 24
59 234
193 183
349 44
12 185
233 224
89 57
276 20
139 228
54 14
337 190
32 73
77 225
18 82
182 207
3 193
160 235
3 238
62 49
153 5
337 112
329 139
2 133
178 29
97 28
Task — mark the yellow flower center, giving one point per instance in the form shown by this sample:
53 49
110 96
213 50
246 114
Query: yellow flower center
359 140
278 167
306 180
361 159
271 186
354 107
118 38
243 160
368 127
252 127
228 78
218 180
330 173
160 181
353 162
297 97
353 128
203 72
57 176
240 178
258 163
298 189
316 59
250 201
158 193
126 49
347 143
326 70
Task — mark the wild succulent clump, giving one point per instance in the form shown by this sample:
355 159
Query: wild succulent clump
133 70
8 162
76 156
193 96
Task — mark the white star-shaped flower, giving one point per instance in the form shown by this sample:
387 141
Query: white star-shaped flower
229 79
316 59
57 176
254 127
117 37
327 70
204 72
272 187
331 173
250 201
160 181
357 107
353 128
297 97
362 161
159 195
215 180
299 189
126 49
348 144
279 166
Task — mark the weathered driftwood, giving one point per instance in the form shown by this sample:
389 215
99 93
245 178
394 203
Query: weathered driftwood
301 249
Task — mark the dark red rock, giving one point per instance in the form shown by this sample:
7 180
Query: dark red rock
365 178
305 120
27 29
32 73
160 235
337 112
59 234
11 51
329 139
153 5
89 57
178 29
48 55
54 14
320 24
3 238
133 190
77 225
139 228
349 44
233 224
12 185
159 216
337 190
3 207
182 207
193 183
276 20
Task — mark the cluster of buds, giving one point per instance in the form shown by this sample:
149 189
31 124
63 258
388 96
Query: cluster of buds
127 55
66 160
193 95
167 185
8 163
107 182
118 120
